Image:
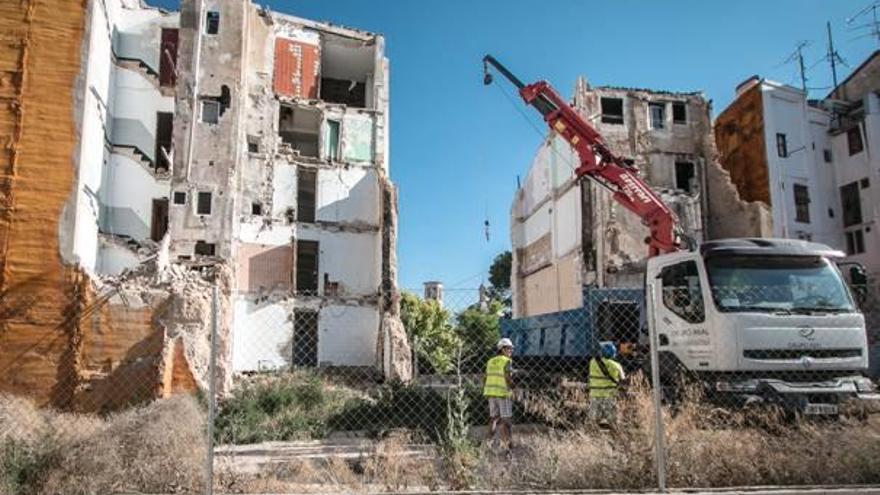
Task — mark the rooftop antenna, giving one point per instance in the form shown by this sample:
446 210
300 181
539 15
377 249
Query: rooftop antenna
873 23
798 56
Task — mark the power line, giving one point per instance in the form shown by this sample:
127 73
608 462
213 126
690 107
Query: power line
869 11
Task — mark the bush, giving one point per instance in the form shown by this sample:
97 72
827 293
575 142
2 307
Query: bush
294 406
397 406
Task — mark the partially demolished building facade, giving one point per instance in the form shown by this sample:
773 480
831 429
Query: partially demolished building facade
222 145
567 234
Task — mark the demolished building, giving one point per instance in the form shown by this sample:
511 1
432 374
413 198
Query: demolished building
567 234
225 145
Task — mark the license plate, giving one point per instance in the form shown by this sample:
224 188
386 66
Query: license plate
821 409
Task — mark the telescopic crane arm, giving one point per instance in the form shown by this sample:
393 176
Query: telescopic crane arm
598 162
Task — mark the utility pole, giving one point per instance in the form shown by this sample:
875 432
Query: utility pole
832 55
803 71
797 56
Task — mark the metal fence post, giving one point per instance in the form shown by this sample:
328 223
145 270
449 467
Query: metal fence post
659 437
212 385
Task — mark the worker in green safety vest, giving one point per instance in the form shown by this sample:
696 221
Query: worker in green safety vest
498 390
606 374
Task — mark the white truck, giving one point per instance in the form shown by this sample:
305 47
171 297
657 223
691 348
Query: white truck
760 320
751 319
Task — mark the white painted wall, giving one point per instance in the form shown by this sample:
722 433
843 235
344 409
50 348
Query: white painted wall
347 335
110 92
115 259
262 335
130 190
864 164
283 189
805 128
349 195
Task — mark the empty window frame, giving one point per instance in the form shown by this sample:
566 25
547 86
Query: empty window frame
612 110
350 93
210 111
657 115
256 209
347 68
801 203
299 127
159 220
865 183
168 58
331 140
204 248
685 173
854 140
679 113
306 197
826 154
212 22
179 197
253 144
781 145
305 338
855 242
851 201
203 203
164 131
307 267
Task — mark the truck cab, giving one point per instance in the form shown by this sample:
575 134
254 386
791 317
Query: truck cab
767 320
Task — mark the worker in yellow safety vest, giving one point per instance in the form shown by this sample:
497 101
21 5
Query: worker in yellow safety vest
497 389
605 377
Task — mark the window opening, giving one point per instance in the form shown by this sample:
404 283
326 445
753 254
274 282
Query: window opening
612 110
801 203
256 209
159 220
657 112
212 22
203 204
826 154
850 199
332 140
781 145
168 58
855 242
307 267
164 131
679 113
299 127
305 195
305 338
204 248
684 176
854 140
179 197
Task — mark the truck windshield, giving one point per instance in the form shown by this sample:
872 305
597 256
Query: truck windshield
777 283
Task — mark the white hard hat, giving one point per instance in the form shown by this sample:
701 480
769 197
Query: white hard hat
505 342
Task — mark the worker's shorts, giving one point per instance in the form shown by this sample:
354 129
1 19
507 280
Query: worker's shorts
500 407
603 409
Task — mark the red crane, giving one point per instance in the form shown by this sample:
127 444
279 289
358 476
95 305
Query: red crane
598 162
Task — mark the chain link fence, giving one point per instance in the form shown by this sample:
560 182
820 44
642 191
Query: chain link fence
302 399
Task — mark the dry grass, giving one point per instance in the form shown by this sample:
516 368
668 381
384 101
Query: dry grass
159 448
706 447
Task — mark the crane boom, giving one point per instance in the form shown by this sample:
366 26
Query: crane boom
598 162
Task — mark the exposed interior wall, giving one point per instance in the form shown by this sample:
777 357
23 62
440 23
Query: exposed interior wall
739 136
301 128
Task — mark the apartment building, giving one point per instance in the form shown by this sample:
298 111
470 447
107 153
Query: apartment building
282 171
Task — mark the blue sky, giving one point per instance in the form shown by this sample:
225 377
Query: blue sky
457 146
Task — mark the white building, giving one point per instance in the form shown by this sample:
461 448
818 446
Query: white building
855 140
776 146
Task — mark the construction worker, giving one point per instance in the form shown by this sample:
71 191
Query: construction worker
497 389
605 377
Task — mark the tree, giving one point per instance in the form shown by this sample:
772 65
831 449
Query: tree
499 271
430 333
499 277
479 330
